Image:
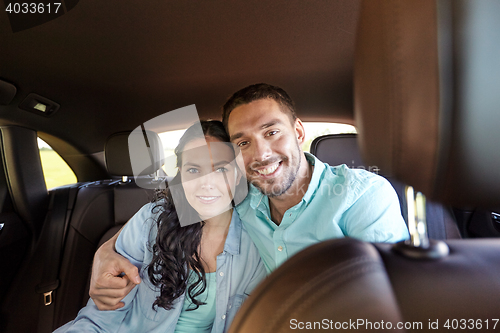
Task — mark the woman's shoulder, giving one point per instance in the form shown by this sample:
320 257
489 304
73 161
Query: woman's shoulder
145 220
146 213
246 245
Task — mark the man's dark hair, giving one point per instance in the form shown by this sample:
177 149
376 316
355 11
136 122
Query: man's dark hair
256 92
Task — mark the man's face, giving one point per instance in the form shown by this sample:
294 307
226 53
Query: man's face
269 144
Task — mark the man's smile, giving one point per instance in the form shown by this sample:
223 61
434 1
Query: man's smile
269 170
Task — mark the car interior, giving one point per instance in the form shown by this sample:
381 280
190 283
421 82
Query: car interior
418 80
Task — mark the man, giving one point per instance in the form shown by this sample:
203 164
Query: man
294 199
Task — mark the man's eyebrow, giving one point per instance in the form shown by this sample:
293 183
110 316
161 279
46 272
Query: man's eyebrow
271 123
263 126
236 136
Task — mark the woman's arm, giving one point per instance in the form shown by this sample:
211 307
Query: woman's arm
91 319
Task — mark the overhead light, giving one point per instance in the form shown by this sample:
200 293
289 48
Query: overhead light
41 107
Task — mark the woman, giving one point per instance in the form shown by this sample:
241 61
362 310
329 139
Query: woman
196 275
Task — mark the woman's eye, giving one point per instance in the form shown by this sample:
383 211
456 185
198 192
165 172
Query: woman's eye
222 169
192 170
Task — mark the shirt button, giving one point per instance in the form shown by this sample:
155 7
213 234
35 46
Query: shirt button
223 317
221 273
280 248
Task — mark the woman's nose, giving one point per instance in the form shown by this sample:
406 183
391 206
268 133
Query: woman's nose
207 186
208 180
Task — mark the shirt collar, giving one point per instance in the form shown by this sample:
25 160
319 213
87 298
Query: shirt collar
256 197
318 170
233 239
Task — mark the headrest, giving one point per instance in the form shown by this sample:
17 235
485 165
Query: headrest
336 149
117 153
426 78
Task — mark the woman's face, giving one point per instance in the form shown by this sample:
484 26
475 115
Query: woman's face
208 175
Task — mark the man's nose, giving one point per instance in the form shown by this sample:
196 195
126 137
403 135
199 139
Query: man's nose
261 150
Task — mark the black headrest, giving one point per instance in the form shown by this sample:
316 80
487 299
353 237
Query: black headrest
336 149
426 80
149 153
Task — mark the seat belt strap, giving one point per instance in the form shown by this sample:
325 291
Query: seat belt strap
51 243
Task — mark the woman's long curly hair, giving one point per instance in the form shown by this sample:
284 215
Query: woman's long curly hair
175 250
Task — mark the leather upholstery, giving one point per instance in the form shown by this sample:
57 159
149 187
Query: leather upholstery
462 285
25 180
426 111
346 280
331 280
121 147
337 149
101 209
423 91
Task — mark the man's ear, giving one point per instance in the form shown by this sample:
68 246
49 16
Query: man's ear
300 131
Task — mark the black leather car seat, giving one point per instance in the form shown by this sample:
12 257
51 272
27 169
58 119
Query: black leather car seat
93 212
101 209
426 84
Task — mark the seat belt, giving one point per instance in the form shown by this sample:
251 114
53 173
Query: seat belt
51 243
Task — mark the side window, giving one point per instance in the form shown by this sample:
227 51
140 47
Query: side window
170 140
55 170
313 130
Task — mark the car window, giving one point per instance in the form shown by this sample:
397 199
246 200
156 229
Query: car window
170 139
313 130
55 170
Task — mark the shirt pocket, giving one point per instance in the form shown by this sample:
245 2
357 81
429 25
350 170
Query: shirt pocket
233 305
146 295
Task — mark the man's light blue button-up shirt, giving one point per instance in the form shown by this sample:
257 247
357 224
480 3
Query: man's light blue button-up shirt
339 202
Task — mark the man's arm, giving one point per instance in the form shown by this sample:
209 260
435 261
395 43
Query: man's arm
113 277
375 216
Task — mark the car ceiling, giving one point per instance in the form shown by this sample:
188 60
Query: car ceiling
112 65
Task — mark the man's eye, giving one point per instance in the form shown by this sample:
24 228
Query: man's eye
242 143
192 170
274 132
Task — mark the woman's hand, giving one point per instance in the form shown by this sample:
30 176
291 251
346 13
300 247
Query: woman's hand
113 277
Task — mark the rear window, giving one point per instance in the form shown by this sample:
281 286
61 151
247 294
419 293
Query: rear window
171 139
313 130
55 170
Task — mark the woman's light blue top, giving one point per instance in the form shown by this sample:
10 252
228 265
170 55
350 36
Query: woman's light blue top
201 319
239 270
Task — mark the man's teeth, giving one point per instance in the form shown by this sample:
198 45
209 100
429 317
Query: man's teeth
269 170
207 198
